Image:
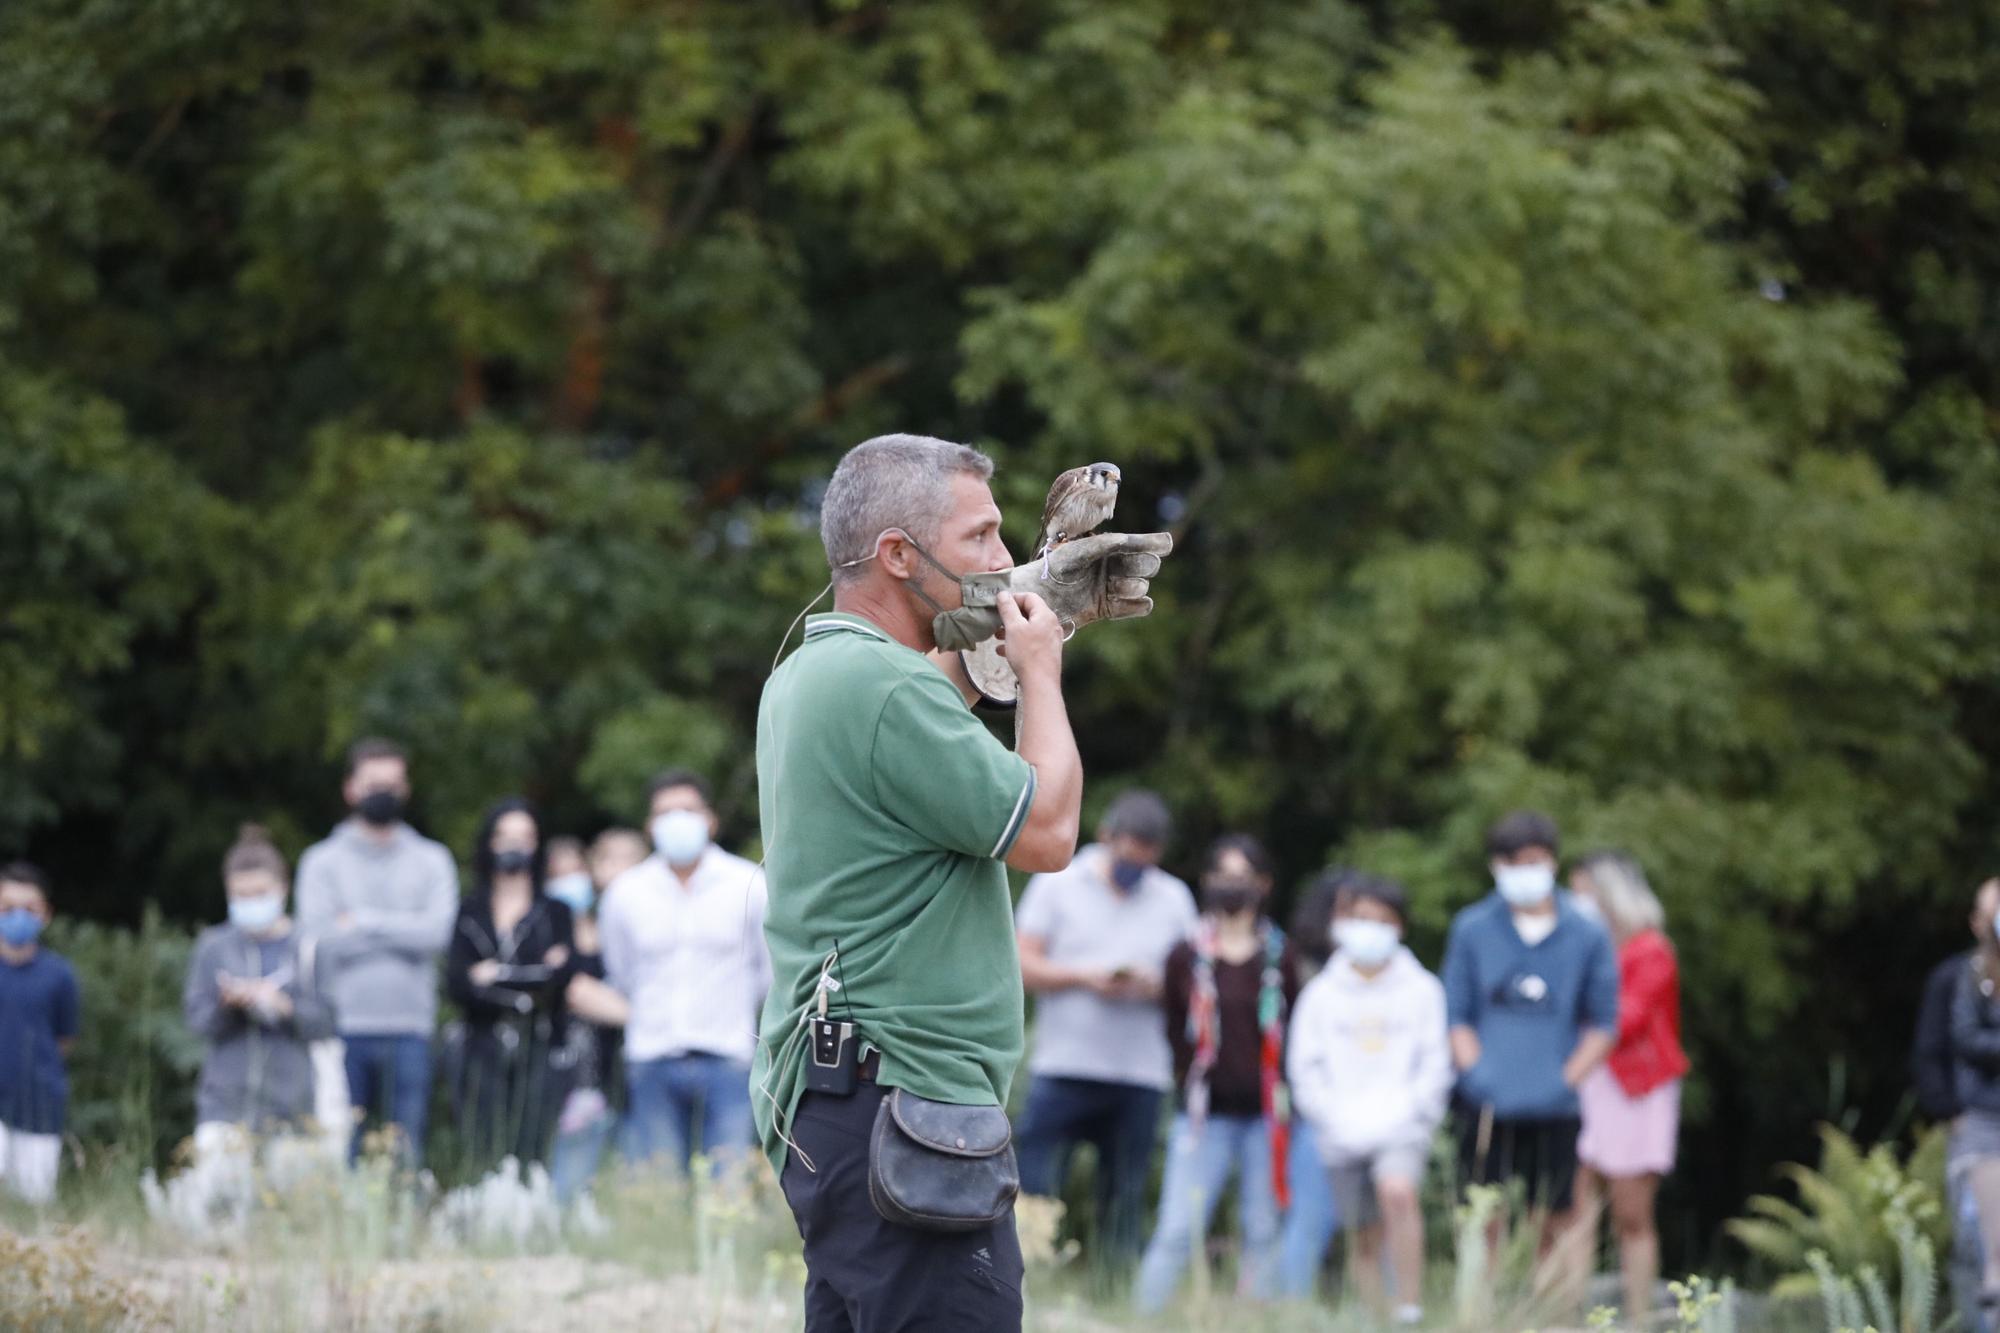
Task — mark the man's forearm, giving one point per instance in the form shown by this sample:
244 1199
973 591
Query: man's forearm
1048 743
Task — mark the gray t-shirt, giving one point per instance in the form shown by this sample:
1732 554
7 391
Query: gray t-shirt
1086 922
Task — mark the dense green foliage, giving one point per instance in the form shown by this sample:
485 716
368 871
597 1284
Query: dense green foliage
1591 405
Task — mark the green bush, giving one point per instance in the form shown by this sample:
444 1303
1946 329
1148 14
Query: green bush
132 1070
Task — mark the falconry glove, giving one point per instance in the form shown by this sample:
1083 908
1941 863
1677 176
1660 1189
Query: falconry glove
1103 577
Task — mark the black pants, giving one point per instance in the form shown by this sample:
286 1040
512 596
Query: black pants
868 1275
1540 1154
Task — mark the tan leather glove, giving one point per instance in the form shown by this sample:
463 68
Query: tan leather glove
1104 577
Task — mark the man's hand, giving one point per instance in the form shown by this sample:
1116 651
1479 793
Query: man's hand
1465 1049
1031 638
484 972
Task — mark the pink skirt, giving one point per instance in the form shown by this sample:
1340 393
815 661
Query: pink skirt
1625 1135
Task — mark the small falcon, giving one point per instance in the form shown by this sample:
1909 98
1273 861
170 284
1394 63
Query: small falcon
1081 499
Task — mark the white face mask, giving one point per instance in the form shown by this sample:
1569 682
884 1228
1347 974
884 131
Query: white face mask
1525 886
1366 943
681 836
258 914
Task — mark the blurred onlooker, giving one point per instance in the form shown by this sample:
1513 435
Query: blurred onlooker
1631 1103
597 1013
39 1014
1975 1138
1314 1217
1933 1070
1228 991
612 853
380 899
509 966
1094 941
254 995
683 936
569 881
1531 988
1370 1072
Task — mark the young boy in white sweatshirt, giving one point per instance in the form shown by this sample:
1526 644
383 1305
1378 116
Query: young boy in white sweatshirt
1370 1068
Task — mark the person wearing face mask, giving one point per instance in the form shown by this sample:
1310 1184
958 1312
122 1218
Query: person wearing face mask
253 994
1094 940
381 900
38 1021
512 955
597 1012
683 935
1531 991
1229 990
1371 1071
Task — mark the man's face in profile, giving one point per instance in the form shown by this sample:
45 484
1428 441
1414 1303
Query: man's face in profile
969 538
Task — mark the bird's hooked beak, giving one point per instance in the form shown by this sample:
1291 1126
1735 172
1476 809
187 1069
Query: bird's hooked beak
1105 474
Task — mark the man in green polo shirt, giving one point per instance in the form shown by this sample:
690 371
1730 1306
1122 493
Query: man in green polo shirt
890 813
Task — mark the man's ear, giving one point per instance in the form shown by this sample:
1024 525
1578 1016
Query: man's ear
895 554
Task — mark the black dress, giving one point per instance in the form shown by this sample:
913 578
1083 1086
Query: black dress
511 1069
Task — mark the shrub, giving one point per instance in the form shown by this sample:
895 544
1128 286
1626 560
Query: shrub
1859 1213
132 1070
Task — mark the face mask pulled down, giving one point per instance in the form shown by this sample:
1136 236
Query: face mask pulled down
968 625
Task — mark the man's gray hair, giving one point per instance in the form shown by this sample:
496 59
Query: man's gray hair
891 481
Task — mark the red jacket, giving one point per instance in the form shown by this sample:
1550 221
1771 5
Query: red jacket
1649 1051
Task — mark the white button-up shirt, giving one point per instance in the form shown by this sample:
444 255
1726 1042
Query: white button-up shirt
689 956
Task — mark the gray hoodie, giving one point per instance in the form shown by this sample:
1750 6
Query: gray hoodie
258 1071
383 912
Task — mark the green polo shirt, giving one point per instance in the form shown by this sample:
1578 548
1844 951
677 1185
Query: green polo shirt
887 811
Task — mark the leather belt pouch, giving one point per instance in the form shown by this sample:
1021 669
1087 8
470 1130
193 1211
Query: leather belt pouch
939 1167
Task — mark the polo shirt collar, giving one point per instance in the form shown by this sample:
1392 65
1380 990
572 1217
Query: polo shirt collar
834 622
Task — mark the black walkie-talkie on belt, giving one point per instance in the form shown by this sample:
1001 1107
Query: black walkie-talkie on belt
834 1063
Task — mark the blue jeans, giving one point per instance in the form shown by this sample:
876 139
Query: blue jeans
574 1159
389 1076
1312 1219
1199 1165
683 1104
1120 1121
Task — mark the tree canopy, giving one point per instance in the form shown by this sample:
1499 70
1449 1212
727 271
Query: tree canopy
1591 406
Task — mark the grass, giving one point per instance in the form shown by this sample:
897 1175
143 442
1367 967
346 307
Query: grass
313 1245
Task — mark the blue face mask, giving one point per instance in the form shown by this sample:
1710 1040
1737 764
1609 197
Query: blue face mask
574 891
20 927
1127 874
258 914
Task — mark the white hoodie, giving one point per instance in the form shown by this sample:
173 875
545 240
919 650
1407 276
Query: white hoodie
1368 1060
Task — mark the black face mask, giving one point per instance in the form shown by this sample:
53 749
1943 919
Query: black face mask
513 862
1228 899
380 808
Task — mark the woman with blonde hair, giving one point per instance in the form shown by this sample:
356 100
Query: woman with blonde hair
1631 1103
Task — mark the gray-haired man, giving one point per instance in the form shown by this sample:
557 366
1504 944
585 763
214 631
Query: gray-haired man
888 812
